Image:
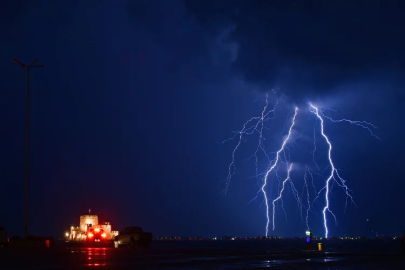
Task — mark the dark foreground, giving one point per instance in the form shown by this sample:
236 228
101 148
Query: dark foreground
198 255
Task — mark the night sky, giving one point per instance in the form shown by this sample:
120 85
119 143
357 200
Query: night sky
129 115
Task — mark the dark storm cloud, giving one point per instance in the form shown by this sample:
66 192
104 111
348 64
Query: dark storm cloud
167 25
186 48
309 46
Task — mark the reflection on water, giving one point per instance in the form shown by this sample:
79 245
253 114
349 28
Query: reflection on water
96 256
330 259
96 264
274 263
271 263
99 257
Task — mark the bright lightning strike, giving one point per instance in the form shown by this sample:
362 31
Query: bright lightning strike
256 125
364 124
333 172
280 195
309 204
273 166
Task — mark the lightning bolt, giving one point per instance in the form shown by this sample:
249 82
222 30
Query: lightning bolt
364 124
309 204
331 177
258 126
275 162
281 193
313 152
